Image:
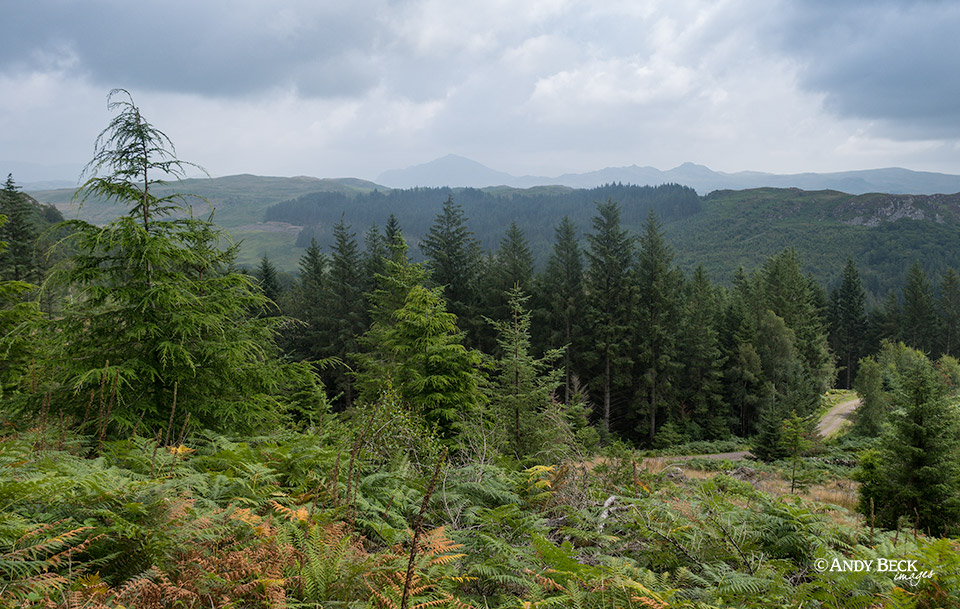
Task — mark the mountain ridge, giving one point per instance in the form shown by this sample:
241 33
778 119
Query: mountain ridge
458 171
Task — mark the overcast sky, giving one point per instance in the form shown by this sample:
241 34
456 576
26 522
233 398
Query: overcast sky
334 89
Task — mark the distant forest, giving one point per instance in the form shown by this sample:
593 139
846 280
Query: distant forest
535 210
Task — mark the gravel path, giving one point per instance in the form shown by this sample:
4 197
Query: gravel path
836 416
828 425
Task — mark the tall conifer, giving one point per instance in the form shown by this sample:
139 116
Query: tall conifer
609 300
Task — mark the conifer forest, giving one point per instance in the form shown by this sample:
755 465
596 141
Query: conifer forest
570 418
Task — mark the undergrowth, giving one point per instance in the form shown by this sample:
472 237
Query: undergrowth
321 518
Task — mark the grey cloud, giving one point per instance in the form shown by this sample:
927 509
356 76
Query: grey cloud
215 48
895 62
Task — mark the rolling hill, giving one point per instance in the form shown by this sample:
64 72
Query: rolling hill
884 233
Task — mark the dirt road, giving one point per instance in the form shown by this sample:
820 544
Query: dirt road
828 425
835 417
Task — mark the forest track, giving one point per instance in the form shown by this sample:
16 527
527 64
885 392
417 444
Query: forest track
836 416
829 425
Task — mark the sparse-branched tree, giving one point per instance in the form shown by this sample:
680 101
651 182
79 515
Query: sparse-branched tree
522 384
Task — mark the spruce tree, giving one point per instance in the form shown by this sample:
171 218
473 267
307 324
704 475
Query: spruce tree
18 344
869 416
419 352
848 321
269 282
657 322
454 260
920 474
700 387
609 303
783 372
522 384
376 250
950 312
344 310
563 291
918 321
791 295
19 261
512 266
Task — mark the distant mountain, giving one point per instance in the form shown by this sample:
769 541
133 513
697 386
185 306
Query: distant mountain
450 170
457 171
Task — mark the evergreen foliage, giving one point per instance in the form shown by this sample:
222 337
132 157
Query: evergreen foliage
918 322
658 317
919 462
160 323
453 259
20 260
848 322
609 302
562 291
522 384
344 315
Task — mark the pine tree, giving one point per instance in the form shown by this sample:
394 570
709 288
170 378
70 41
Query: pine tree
609 300
454 260
563 291
160 322
658 318
849 321
950 312
19 261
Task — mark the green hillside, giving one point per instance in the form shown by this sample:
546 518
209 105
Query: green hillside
277 217
884 234
237 200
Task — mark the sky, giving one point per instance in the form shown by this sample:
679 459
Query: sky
541 87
